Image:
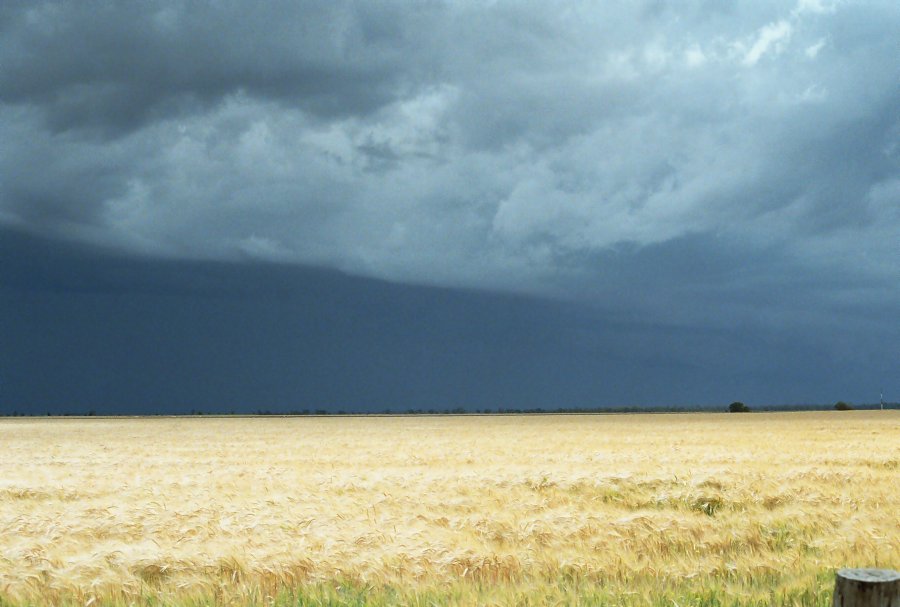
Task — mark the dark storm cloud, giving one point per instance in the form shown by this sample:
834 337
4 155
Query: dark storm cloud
698 166
490 146
86 330
116 66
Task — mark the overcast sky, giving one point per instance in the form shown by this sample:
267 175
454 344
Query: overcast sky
665 178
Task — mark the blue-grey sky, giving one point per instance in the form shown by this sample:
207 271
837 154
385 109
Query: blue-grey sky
417 204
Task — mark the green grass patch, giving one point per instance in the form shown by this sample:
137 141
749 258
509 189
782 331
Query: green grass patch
729 591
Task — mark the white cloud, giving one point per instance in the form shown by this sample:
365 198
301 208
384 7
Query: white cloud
815 7
813 94
694 56
770 38
812 50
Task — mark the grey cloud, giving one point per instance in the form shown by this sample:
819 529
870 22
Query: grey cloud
117 66
574 151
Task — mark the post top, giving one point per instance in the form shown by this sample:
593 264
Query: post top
869 575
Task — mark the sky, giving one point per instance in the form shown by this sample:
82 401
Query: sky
231 205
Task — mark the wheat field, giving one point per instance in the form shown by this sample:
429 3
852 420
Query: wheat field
680 509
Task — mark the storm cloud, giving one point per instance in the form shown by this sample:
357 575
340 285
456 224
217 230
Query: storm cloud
699 166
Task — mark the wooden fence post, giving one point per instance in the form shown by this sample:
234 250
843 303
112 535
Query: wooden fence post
867 588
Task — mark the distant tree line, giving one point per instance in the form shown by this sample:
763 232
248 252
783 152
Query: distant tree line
735 407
